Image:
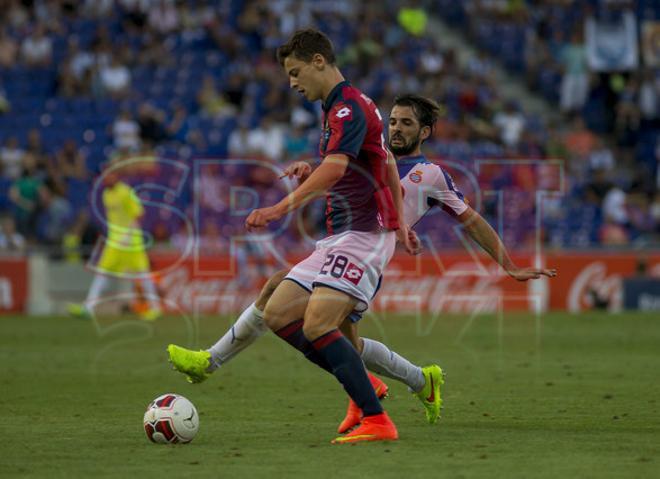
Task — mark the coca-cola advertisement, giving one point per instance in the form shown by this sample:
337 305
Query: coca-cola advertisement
453 282
595 280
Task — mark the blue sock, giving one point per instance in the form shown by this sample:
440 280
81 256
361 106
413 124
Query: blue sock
348 368
292 333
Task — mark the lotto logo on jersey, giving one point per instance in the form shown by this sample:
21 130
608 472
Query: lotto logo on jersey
353 273
343 112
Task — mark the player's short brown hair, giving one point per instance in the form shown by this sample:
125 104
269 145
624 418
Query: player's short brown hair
304 44
426 110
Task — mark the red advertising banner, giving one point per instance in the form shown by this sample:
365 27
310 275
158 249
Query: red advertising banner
455 283
587 278
13 284
451 282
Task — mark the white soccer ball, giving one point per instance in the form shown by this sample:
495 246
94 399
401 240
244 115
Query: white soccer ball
171 419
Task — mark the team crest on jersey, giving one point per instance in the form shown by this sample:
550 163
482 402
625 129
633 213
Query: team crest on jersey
415 176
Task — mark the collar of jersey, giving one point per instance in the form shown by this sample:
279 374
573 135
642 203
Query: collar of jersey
405 164
334 93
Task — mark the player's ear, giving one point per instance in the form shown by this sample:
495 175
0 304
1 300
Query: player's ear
318 61
425 133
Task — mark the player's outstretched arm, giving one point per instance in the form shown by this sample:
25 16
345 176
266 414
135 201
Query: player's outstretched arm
481 232
319 182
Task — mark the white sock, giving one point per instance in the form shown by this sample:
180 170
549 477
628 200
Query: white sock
99 283
382 360
151 293
246 330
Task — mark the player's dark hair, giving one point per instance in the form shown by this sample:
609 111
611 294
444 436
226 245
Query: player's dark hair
426 110
304 44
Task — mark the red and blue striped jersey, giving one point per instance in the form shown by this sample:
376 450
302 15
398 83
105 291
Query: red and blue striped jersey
361 199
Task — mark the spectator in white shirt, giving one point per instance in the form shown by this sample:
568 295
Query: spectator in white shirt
126 132
575 79
511 124
164 17
601 157
11 159
649 95
81 60
238 141
614 206
116 78
37 49
266 140
10 239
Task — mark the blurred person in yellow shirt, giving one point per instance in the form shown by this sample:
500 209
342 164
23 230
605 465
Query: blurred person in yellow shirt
124 253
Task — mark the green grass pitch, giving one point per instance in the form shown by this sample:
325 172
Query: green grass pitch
556 396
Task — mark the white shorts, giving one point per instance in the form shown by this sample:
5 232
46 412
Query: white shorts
351 262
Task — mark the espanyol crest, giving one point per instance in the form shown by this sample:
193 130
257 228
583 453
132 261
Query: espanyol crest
415 176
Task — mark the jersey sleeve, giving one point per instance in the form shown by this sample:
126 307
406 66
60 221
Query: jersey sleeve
348 128
445 194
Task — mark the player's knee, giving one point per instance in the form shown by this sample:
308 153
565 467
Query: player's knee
318 321
268 289
278 314
315 329
274 316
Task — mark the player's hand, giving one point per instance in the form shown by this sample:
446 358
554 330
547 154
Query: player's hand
299 170
524 274
409 239
260 217
415 242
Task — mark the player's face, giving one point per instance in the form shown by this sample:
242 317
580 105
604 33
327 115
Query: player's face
404 131
303 77
110 179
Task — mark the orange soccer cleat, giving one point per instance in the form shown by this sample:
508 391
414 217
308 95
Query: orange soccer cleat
353 412
372 428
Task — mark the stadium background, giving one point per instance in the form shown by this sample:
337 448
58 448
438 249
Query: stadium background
550 130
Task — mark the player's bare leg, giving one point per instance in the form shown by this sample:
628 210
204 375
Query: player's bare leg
269 288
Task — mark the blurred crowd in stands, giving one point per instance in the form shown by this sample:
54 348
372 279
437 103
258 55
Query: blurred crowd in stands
591 60
84 83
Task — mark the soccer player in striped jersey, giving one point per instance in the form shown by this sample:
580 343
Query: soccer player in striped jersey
363 218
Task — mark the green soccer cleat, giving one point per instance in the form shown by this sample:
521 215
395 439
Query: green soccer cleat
430 393
78 310
151 315
194 364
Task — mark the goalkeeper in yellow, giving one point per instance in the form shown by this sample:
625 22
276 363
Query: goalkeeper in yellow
123 255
